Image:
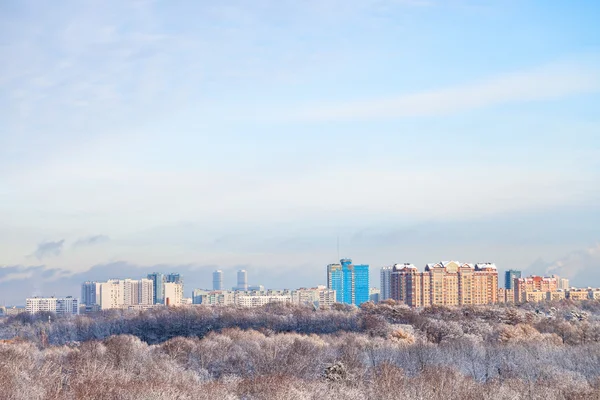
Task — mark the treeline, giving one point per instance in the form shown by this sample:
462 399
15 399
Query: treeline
563 322
383 351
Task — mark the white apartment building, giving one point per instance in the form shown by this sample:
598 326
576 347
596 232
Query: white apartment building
120 293
213 297
257 301
173 294
321 296
60 306
112 294
67 305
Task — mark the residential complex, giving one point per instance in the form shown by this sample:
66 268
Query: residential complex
61 306
533 288
446 283
132 293
539 288
319 296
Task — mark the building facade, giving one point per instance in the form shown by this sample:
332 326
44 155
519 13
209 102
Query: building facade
90 293
335 278
385 282
158 281
319 296
350 281
448 283
533 283
60 306
173 294
509 277
217 280
174 278
120 293
242 280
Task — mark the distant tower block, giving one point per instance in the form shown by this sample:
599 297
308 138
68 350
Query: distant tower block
242 280
218 280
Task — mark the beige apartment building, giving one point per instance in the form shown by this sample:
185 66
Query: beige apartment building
506 295
448 283
173 293
579 294
534 283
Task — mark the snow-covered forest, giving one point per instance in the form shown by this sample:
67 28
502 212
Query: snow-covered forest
383 351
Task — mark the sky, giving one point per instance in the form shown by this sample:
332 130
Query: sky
188 136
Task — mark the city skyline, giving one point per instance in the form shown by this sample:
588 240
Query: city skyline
205 280
339 275
140 136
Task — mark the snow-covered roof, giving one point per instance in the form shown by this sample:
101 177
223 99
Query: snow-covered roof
486 265
445 263
399 267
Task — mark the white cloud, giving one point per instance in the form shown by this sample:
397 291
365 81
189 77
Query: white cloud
544 83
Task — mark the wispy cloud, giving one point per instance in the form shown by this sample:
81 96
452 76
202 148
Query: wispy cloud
545 83
46 249
91 240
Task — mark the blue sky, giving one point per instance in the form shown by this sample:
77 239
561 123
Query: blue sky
141 135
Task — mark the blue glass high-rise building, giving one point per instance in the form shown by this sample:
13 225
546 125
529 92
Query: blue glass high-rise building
174 278
361 284
335 280
351 282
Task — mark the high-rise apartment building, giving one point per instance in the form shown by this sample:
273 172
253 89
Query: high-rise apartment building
563 283
173 293
158 281
351 282
242 280
112 294
335 280
385 280
218 280
118 293
61 306
509 278
446 283
145 293
90 293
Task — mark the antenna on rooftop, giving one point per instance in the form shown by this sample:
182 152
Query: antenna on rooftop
338 246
